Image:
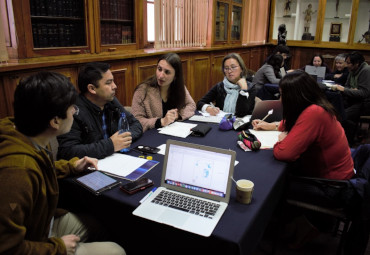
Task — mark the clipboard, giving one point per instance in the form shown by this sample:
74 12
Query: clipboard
97 182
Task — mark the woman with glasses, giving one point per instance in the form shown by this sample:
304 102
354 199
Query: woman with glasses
163 98
233 94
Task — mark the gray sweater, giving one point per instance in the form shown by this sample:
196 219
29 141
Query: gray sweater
265 75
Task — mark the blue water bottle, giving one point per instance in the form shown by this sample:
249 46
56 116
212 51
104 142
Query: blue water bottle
123 126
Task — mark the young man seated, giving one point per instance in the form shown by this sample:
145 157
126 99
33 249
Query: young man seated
43 109
94 132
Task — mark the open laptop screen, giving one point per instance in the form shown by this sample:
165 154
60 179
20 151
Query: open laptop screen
198 170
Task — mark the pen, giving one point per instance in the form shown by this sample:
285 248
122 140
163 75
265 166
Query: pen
268 114
212 105
147 195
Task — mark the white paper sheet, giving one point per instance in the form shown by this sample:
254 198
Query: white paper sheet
206 117
179 129
120 164
267 138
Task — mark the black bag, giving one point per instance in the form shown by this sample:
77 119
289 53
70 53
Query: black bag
200 130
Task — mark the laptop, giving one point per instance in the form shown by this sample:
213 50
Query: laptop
319 71
262 108
196 173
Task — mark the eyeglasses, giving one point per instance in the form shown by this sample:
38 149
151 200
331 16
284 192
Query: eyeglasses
231 68
77 110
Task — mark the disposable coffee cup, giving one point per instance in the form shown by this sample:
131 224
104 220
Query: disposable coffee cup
244 191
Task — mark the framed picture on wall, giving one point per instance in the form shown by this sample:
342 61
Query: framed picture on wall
335 29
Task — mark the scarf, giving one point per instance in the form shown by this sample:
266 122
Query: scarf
353 76
232 91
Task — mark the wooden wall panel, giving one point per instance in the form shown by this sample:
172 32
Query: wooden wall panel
144 68
201 71
122 73
217 74
4 111
256 59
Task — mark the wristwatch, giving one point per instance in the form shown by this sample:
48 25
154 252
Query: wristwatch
276 125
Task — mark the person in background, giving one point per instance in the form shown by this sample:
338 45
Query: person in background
163 98
30 222
95 131
340 75
269 72
232 95
284 51
356 92
313 142
317 60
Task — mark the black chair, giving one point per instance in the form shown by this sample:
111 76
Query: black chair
348 201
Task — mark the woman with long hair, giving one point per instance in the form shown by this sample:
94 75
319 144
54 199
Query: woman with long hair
163 98
314 143
311 133
269 72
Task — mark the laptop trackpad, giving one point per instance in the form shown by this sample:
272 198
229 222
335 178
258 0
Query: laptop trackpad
173 218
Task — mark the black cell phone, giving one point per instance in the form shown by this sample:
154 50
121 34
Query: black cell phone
146 149
140 184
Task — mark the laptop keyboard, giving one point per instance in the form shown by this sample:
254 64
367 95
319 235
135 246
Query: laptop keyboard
188 204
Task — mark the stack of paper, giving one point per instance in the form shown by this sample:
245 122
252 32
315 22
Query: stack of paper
179 129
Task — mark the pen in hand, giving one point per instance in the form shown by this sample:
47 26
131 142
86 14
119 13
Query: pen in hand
268 114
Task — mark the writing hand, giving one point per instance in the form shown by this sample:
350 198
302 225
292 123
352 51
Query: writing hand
213 111
121 141
262 125
70 241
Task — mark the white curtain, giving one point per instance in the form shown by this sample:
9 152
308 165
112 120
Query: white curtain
180 23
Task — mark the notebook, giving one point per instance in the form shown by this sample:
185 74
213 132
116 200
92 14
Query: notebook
196 172
262 108
319 71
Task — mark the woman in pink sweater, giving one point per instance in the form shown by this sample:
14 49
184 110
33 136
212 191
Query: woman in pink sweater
163 98
312 136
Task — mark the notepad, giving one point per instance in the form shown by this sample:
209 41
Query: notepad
125 166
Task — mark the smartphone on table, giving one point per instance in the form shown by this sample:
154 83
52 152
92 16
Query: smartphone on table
135 186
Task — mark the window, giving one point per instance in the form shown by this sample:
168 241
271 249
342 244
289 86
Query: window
180 23
150 20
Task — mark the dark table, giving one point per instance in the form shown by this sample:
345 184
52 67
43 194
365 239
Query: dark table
239 230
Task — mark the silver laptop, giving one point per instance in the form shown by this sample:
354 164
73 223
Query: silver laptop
197 174
262 108
319 71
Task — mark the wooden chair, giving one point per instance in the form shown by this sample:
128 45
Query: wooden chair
355 214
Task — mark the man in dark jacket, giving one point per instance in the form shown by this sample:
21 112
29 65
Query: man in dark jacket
94 132
356 92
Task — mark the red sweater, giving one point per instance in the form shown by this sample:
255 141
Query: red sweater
319 141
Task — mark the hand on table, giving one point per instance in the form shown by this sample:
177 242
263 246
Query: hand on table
86 162
70 241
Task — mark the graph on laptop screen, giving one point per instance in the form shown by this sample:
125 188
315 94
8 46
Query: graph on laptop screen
199 170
